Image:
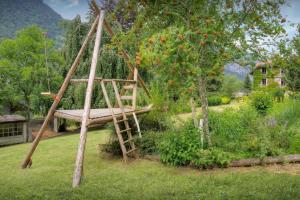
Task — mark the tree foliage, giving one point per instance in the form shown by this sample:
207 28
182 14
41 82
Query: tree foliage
185 42
247 83
292 74
23 71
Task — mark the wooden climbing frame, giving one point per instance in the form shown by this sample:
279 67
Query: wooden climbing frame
117 114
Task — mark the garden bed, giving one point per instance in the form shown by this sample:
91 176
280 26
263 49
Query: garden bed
295 158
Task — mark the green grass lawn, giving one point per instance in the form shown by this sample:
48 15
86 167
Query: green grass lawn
50 176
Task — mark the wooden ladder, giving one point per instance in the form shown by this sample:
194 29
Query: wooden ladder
131 149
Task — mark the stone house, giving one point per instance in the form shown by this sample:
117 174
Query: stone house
265 74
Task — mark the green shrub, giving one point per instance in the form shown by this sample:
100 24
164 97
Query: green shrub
181 105
262 102
180 148
230 127
278 94
214 101
183 148
230 85
225 100
154 121
287 112
112 147
295 96
149 142
209 158
267 139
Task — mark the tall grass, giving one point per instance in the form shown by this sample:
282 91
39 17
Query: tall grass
287 112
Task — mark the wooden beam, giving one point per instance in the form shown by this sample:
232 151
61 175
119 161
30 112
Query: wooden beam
101 79
96 120
60 94
87 106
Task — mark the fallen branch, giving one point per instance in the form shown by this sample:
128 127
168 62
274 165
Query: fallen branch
265 161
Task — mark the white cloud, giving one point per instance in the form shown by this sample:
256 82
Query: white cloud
72 3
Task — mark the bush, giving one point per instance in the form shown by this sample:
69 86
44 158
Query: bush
225 100
112 147
181 105
149 142
183 148
180 148
295 96
262 102
287 112
267 139
230 127
214 101
155 121
210 158
230 85
278 94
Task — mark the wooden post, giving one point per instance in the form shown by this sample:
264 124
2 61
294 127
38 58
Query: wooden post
56 124
60 94
134 92
87 106
25 131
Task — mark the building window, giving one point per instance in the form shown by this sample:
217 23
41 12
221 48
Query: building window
282 82
264 81
264 70
11 129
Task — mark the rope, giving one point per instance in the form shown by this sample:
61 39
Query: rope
46 63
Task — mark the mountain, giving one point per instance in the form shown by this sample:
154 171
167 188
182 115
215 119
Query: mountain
17 14
237 70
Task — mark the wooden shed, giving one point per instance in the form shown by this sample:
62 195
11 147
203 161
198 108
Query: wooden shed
13 130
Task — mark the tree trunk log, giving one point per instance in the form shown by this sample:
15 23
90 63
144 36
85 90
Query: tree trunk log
193 107
204 107
265 161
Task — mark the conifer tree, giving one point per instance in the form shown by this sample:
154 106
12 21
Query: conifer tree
247 84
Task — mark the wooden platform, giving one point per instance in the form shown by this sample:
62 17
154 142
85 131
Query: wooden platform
102 115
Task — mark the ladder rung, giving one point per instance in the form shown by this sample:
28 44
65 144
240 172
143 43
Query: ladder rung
129 87
131 150
126 97
126 141
128 129
122 120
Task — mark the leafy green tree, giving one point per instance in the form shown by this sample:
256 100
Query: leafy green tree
185 42
292 62
247 84
231 84
23 72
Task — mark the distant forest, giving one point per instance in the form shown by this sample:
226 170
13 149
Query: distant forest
16 14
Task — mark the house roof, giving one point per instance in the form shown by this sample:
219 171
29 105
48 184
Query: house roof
11 118
261 64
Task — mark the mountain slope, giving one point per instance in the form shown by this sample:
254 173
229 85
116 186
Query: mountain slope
17 14
237 70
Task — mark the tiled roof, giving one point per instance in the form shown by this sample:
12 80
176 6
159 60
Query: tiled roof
11 118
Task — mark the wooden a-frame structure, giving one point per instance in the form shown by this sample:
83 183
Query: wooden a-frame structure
118 113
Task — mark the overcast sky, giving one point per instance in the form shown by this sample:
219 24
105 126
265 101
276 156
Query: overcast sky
68 9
